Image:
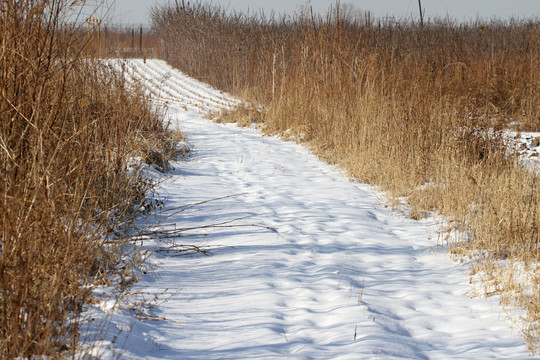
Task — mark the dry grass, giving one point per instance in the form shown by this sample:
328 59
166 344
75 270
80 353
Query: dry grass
415 110
245 115
68 125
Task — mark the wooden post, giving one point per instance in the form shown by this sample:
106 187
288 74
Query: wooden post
421 15
140 40
99 35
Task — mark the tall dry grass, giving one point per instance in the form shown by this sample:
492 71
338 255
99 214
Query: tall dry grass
416 110
68 125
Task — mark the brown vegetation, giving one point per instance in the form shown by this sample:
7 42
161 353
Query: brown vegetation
414 109
68 125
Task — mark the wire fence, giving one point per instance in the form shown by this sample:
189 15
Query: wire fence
112 40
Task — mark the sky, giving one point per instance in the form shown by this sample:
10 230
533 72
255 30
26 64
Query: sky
137 11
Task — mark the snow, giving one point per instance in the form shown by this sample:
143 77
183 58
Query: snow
303 263
527 144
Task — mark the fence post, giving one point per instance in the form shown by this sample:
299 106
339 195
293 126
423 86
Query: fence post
140 40
421 14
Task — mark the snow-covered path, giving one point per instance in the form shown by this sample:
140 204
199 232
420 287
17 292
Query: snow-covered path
307 264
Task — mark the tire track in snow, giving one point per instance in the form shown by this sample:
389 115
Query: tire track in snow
343 277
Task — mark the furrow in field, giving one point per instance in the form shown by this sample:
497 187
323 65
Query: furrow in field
183 82
132 78
174 87
160 90
136 78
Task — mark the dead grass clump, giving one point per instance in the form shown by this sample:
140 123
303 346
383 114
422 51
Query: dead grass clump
243 115
68 125
417 110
